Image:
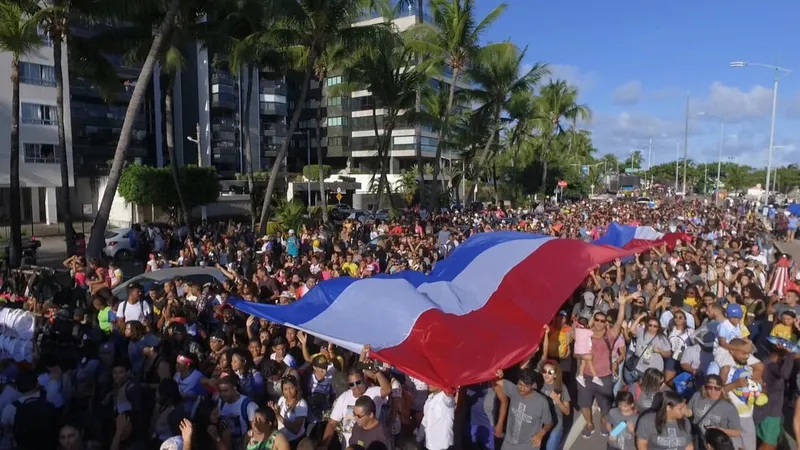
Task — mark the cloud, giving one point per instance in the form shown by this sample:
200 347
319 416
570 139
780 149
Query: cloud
584 81
629 93
793 107
734 104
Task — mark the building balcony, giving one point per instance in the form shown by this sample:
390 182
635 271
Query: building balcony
273 87
223 127
273 129
222 78
273 109
224 101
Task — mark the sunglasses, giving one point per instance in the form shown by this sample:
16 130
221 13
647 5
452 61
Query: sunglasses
357 383
680 317
600 320
713 388
652 325
550 372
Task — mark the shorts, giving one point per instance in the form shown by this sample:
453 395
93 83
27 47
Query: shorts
604 395
769 430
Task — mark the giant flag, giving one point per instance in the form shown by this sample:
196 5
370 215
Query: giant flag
481 309
638 238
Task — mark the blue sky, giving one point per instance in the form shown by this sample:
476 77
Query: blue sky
633 62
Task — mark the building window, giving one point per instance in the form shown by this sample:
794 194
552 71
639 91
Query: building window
337 101
44 36
341 141
40 153
36 114
37 74
333 81
337 121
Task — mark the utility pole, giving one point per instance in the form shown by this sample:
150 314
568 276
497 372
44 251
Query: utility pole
196 141
686 143
677 162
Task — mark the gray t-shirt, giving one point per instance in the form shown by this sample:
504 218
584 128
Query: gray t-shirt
526 416
781 307
558 416
714 414
645 346
625 440
672 436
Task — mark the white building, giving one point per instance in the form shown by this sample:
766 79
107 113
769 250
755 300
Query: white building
40 171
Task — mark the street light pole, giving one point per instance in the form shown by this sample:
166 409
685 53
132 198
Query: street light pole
677 162
196 141
777 71
686 143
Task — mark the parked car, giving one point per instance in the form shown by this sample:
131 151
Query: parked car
118 244
197 275
341 211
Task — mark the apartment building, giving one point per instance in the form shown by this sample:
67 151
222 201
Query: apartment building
40 171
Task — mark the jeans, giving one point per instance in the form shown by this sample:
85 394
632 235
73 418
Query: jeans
554 437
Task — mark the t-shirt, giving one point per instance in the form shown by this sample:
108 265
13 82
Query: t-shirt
526 416
625 440
645 346
376 438
713 414
558 416
672 436
343 410
299 410
137 311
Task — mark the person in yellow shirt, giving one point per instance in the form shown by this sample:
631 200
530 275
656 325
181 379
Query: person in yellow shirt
349 267
785 329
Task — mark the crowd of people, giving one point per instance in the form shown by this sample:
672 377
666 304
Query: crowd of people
690 345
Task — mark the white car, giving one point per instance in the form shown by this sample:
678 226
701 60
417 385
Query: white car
118 244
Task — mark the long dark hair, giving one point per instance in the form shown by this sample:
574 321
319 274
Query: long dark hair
661 401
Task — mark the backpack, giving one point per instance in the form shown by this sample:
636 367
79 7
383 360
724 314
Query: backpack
35 423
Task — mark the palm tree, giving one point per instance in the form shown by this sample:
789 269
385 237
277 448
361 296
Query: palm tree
558 102
160 39
390 71
302 32
610 163
522 111
497 80
452 40
18 36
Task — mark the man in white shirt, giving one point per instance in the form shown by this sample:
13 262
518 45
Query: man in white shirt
135 308
756 255
436 428
343 408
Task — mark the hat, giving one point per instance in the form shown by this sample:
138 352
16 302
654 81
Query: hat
734 311
134 285
291 231
588 298
320 362
563 313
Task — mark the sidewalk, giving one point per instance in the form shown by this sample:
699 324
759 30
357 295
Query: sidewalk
45 230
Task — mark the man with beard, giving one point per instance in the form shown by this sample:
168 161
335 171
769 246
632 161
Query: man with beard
746 368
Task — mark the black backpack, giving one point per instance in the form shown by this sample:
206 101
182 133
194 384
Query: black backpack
35 423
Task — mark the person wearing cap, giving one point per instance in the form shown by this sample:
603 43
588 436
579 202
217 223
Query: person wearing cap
134 308
731 330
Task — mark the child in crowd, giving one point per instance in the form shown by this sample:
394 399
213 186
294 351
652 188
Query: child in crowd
583 351
785 328
621 422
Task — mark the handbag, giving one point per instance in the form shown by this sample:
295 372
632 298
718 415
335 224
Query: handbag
629 373
697 432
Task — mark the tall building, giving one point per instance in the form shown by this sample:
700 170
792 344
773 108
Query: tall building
40 171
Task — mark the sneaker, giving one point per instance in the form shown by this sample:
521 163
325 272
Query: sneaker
580 380
603 432
587 432
597 381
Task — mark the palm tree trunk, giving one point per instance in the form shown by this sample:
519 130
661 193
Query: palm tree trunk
15 244
273 175
443 130
494 182
97 241
545 155
388 128
66 208
485 154
169 122
248 142
318 134
382 160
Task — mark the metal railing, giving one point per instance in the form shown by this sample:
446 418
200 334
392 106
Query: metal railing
37 81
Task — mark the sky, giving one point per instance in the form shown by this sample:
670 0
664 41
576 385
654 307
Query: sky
633 62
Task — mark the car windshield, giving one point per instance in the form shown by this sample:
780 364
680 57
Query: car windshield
110 234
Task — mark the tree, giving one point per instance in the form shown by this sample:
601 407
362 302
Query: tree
301 32
452 40
496 78
736 177
18 36
160 38
389 69
558 102
146 185
289 214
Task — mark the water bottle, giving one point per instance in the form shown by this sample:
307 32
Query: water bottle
619 429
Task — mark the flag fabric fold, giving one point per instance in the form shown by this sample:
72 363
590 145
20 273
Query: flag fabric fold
481 309
634 237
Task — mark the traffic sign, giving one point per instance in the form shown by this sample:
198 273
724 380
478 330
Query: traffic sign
338 190
562 184
338 197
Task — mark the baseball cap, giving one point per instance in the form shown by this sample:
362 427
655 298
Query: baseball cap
135 285
588 298
734 311
320 362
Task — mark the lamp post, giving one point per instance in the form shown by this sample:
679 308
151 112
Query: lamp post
196 140
307 134
677 162
721 145
777 72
